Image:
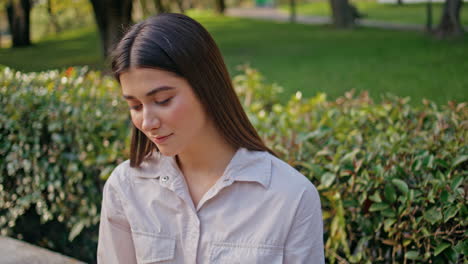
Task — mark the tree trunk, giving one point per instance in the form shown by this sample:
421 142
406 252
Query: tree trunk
112 18
53 17
220 6
18 12
342 13
190 4
292 8
180 5
450 22
429 16
144 8
159 6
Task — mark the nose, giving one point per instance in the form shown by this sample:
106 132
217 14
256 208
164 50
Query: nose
150 120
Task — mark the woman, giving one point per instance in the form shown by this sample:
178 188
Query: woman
200 185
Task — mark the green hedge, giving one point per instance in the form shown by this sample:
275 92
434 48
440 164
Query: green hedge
392 178
59 131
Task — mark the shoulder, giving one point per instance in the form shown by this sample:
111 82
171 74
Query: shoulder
288 181
119 174
124 175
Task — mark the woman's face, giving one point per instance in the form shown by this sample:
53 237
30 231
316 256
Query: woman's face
164 107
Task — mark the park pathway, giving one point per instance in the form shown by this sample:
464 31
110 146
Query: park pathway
270 13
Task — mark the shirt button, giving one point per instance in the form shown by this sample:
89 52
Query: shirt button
165 178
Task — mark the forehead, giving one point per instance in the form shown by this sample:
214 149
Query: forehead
140 80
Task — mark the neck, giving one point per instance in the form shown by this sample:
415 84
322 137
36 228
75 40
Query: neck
207 158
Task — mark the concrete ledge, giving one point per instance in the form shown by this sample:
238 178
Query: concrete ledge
13 251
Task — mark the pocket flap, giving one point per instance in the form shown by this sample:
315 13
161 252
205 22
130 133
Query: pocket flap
153 247
245 253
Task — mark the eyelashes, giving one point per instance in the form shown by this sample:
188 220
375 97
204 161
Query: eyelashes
138 107
135 107
164 102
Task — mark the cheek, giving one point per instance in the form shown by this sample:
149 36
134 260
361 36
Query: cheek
179 115
187 115
136 119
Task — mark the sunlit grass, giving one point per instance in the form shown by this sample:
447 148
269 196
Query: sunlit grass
71 48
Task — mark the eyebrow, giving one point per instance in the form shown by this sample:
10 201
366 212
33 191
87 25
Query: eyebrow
150 93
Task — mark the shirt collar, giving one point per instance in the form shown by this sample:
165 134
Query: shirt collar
246 165
249 165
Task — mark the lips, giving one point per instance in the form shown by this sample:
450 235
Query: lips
160 140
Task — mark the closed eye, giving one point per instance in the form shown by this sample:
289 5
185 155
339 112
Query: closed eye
163 102
136 107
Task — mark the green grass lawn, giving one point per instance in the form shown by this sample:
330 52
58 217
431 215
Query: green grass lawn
301 57
77 47
406 13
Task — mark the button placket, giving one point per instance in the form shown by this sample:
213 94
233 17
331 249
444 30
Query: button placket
214 191
167 181
194 237
165 178
227 182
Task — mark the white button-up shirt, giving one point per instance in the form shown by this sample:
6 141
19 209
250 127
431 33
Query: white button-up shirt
261 210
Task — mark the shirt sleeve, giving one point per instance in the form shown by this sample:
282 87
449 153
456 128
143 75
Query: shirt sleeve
305 239
115 243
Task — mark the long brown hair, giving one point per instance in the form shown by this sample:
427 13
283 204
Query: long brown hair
179 44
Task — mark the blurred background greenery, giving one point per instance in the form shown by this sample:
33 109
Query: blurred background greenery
308 58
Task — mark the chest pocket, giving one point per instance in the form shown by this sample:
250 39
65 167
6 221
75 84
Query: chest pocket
153 247
222 253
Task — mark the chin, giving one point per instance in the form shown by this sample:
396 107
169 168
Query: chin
167 152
